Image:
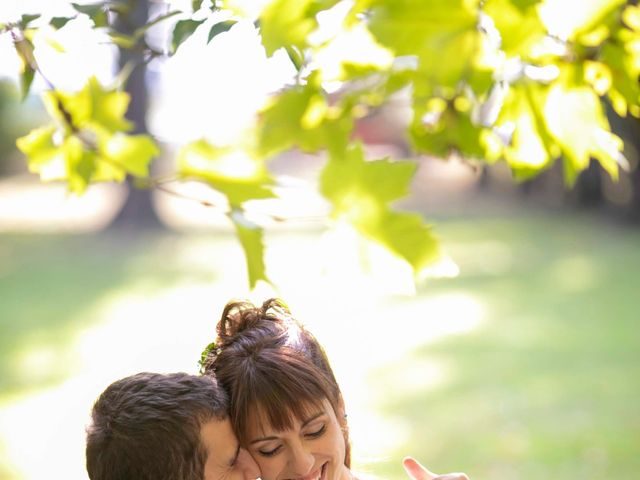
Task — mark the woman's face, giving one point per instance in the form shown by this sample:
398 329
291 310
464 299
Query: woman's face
313 449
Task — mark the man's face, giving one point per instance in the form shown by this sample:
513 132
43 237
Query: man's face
225 459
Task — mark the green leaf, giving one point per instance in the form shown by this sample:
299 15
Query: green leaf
296 57
81 164
384 180
301 117
232 172
250 236
26 19
431 30
40 150
196 5
108 107
133 153
624 64
96 12
182 31
219 28
575 119
531 148
123 41
360 192
406 235
26 79
285 23
519 25
67 161
92 107
28 64
440 127
59 22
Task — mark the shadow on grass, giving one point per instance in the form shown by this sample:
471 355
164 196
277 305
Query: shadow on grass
548 385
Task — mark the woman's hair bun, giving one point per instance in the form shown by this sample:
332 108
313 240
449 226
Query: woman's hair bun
240 315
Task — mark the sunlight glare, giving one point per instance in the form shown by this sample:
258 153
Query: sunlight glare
214 91
26 205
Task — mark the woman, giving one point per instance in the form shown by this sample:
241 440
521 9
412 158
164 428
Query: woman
286 406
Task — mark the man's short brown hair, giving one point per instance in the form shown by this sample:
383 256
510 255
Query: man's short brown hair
147 427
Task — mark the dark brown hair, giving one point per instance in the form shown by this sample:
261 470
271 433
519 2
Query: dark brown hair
147 427
272 367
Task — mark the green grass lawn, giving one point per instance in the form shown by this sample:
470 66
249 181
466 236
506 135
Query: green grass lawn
548 385
545 385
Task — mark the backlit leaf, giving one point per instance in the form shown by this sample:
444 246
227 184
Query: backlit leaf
360 192
432 30
624 68
232 172
441 132
286 23
519 25
301 117
530 148
102 108
38 146
575 119
133 153
251 239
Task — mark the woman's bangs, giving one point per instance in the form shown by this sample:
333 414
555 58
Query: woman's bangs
280 410
280 394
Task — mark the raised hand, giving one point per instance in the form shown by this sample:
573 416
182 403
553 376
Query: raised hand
416 471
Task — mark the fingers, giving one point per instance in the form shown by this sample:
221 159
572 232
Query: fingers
416 471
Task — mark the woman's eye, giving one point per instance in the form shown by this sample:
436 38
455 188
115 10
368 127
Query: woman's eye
317 433
269 453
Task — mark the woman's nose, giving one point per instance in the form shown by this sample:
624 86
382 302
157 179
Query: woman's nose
248 466
301 461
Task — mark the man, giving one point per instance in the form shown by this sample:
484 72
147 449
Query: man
154 426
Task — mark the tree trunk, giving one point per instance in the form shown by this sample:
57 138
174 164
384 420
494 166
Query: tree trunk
138 211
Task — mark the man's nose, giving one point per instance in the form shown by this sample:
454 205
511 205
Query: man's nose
248 466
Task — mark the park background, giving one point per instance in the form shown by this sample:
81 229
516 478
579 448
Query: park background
516 360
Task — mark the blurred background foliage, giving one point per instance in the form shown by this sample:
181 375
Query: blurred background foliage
518 86
515 358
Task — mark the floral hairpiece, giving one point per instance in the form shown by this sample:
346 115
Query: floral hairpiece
208 350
